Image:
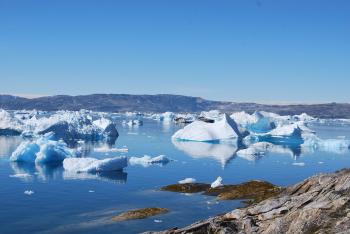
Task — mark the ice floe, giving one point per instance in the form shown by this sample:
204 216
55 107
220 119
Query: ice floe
92 165
29 192
187 181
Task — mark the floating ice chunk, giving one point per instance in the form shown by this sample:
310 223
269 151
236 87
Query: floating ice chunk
299 164
187 181
225 129
217 183
242 118
42 150
158 221
147 160
288 134
211 115
29 192
9 125
91 165
304 117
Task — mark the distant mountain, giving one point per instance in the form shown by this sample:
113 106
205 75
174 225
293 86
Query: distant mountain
162 103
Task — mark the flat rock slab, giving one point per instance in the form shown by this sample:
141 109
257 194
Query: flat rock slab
140 214
254 191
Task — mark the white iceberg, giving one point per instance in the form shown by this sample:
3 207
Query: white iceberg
211 115
29 192
10 125
217 183
42 150
71 125
256 122
92 165
224 129
187 181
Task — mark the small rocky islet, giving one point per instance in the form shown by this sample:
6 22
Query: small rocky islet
139 214
251 192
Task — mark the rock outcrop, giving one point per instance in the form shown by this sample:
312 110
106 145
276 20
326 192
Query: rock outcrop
320 204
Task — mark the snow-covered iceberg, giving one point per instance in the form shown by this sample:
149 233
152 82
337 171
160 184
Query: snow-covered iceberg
256 122
92 165
222 130
41 150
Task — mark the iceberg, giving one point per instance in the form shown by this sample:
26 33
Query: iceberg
147 160
222 130
217 183
92 165
290 134
9 125
42 150
214 115
256 122
71 126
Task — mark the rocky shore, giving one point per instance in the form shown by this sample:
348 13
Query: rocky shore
319 204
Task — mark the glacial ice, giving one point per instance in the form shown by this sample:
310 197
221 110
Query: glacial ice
256 122
148 160
217 183
92 165
41 150
9 125
187 181
66 125
224 129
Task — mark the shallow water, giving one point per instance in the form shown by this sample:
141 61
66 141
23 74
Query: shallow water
72 203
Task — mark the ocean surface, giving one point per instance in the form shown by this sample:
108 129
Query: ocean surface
70 203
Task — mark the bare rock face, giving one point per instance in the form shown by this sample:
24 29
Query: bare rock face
320 204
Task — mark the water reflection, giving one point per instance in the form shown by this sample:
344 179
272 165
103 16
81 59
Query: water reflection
119 177
220 152
45 172
8 145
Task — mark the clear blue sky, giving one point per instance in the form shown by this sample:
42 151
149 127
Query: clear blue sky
248 50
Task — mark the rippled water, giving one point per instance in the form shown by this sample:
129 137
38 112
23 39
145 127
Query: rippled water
71 203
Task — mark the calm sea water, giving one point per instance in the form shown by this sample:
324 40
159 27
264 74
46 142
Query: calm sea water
64 203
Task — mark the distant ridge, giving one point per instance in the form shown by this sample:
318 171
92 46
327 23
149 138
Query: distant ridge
162 103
